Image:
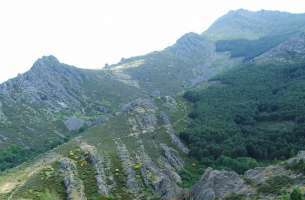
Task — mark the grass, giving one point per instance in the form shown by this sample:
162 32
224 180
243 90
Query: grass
86 172
36 187
275 185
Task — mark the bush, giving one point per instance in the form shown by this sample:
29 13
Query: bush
296 194
240 165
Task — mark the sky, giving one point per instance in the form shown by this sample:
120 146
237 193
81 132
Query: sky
90 33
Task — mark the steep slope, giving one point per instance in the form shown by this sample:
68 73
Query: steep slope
37 107
192 60
244 113
135 156
254 111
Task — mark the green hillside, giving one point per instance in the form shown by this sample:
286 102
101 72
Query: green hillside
255 111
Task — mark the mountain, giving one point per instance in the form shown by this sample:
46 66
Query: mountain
39 108
217 115
245 24
193 59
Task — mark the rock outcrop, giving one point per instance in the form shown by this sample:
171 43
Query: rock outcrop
73 123
127 164
216 184
98 162
160 180
172 157
74 186
49 82
171 132
142 117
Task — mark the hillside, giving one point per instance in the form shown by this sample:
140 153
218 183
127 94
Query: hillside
50 104
254 111
226 105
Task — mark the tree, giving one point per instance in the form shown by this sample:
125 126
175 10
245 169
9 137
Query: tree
296 194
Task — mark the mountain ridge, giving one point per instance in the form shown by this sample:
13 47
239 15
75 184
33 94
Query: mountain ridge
124 132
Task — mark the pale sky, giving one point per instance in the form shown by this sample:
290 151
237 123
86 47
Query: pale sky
90 33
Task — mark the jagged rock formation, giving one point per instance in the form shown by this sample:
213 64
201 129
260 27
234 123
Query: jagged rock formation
170 130
54 100
74 186
127 164
48 82
218 184
172 157
160 180
99 165
143 116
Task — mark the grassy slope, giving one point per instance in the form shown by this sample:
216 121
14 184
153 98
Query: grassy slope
102 137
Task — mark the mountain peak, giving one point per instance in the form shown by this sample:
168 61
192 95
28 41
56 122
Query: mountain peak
46 61
246 24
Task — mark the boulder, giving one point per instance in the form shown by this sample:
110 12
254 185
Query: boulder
218 184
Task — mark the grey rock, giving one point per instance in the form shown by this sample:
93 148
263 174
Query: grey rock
261 174
218 184
140 102
73 123
160 180
171 155
98 162
171 132
142 116
74 186
48 83
127 164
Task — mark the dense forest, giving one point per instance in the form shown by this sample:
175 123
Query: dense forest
255 113
250 48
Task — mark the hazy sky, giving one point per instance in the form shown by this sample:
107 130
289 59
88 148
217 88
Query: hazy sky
90 33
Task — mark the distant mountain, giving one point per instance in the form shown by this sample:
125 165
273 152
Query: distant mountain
244 24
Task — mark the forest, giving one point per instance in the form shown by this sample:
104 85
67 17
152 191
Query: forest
255 115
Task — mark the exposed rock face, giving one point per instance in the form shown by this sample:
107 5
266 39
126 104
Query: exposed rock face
127 164
171 155
49 82
261 174
118 71
73 123
74 186
218 184
140 102
142 116
98 162
191 45
160 180
170 130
